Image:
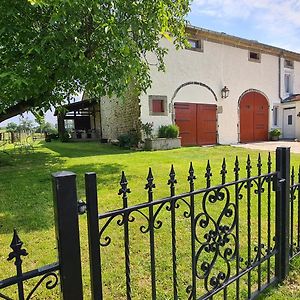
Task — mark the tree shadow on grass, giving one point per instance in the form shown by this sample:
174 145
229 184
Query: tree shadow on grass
84 149
26 199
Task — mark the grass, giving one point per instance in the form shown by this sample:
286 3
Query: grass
26 203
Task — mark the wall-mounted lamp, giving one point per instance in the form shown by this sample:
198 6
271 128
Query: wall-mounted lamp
224 92
298 114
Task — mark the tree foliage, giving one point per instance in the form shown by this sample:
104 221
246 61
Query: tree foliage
45 127
25 125
51 49
11 127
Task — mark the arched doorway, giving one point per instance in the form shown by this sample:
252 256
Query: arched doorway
195 113
254 117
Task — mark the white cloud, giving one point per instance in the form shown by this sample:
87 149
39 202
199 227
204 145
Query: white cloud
278 19
228 8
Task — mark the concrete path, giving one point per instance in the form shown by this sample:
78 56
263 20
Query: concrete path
271 146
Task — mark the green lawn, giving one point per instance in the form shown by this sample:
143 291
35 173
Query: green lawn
26 204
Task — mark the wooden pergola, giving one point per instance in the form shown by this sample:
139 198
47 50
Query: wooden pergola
83 114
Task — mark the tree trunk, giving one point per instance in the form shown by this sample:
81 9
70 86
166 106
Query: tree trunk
61 125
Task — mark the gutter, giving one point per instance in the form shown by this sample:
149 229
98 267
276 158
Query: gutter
232 40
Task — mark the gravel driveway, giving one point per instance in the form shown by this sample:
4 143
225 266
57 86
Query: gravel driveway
271 146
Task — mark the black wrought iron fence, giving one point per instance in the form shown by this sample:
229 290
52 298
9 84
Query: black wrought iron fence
218 252
295 213
230 240
65 274
46 275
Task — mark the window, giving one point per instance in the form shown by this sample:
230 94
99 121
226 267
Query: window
275 115
288 64
69 125
288 85
290 119
196 45
254 56
158 106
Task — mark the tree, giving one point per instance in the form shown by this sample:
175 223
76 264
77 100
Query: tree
25 125
51 49
11 127
46 127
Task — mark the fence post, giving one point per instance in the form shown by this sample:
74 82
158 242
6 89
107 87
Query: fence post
93 234
282 212
67 234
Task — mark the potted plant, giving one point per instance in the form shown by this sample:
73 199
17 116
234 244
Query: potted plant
275 134
167 138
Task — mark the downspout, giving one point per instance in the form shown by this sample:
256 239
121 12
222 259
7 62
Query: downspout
279 85
279 75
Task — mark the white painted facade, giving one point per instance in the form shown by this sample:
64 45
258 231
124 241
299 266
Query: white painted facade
218 65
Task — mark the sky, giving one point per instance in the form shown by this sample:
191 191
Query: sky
49 116
272 22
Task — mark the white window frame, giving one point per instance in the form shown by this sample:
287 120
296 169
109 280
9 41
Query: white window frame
288 83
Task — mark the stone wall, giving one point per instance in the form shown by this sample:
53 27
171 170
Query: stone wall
119 116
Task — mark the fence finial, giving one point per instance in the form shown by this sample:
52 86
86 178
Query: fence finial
172 175
223 171
259 164
150 184
123 184
16 245
236 167
124 190
269 163
248 166
208 174
172 181
191 176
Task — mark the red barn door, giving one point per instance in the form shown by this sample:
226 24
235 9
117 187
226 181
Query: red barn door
254 117
197 123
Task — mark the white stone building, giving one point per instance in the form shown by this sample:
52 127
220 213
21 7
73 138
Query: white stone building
259 83
259 78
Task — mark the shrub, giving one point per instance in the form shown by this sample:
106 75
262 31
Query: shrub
172 131
147 128
65 137
53 136
168 131
162 131
48 138
275 132
128 140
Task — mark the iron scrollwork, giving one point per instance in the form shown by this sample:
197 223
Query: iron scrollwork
219 242
105 241
51 283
